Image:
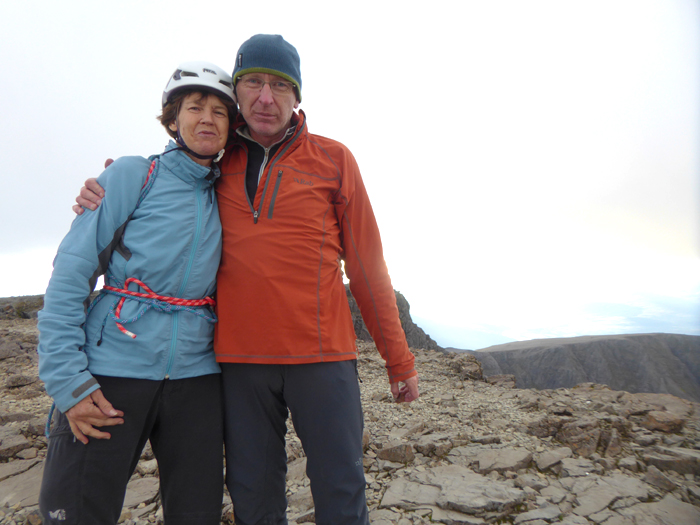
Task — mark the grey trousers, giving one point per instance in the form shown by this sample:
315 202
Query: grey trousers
324 401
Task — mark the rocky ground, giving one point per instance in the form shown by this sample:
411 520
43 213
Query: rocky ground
469 451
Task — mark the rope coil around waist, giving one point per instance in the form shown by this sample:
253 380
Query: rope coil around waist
160 303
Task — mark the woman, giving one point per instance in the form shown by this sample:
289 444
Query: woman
139 361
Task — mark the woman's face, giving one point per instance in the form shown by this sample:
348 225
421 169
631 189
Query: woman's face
203 124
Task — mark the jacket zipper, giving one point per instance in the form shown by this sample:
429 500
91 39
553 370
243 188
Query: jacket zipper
186 277
274 194
278 156
256 213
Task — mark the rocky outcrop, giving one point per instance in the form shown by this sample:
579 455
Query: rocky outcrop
467 452
415 336
24 307
657 363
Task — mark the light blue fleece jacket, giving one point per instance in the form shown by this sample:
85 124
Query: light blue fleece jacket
172 244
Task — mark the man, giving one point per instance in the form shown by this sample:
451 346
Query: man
293 205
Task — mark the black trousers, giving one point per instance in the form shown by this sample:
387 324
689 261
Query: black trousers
324 401
86 484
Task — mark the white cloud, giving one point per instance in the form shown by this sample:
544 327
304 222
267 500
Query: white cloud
27 272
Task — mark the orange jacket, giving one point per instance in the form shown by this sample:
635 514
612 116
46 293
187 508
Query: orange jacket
281 298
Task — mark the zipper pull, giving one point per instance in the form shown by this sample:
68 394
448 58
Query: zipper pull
255 217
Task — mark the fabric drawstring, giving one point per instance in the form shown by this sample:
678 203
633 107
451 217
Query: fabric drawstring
47 428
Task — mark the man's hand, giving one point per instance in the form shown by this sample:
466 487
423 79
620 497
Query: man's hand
407 392
90 195
93 411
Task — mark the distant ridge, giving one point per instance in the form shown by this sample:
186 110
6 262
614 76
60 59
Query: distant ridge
657 363
457 350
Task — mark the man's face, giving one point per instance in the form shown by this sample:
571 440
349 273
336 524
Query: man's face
268 114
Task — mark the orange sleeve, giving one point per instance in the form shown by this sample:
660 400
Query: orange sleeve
370 283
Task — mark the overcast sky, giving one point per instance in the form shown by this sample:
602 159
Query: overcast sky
534 166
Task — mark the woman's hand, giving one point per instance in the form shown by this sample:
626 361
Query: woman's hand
93 411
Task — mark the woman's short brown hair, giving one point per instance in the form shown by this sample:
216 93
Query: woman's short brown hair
172 108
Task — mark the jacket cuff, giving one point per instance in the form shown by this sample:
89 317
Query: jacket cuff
81 387
395 377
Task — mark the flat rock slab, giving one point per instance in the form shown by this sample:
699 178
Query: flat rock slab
7 470
397 453
452 517
492 496
626 486
554 494
410 429
404 494
383 517
437 444
596 499
447 476
657 479
546 513
296 470
486 460
574 467
572 519
9 349
22 489
452 488
531 480
550 458
142 490
663 421
502 460
675 405
668 511
468 492
681 460
11 442
14 416
302 499
465 455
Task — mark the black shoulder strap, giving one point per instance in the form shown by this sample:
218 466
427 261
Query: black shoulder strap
121 248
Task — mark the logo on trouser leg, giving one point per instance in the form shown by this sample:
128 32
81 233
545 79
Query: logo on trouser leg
59 514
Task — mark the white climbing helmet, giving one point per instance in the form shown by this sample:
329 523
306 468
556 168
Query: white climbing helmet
199 75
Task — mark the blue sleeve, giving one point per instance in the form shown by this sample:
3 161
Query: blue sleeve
82 256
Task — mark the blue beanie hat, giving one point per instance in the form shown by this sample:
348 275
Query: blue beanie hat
270 54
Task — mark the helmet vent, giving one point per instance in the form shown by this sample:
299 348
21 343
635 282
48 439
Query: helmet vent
199 76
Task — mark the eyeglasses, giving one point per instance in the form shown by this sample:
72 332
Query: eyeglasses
278 87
